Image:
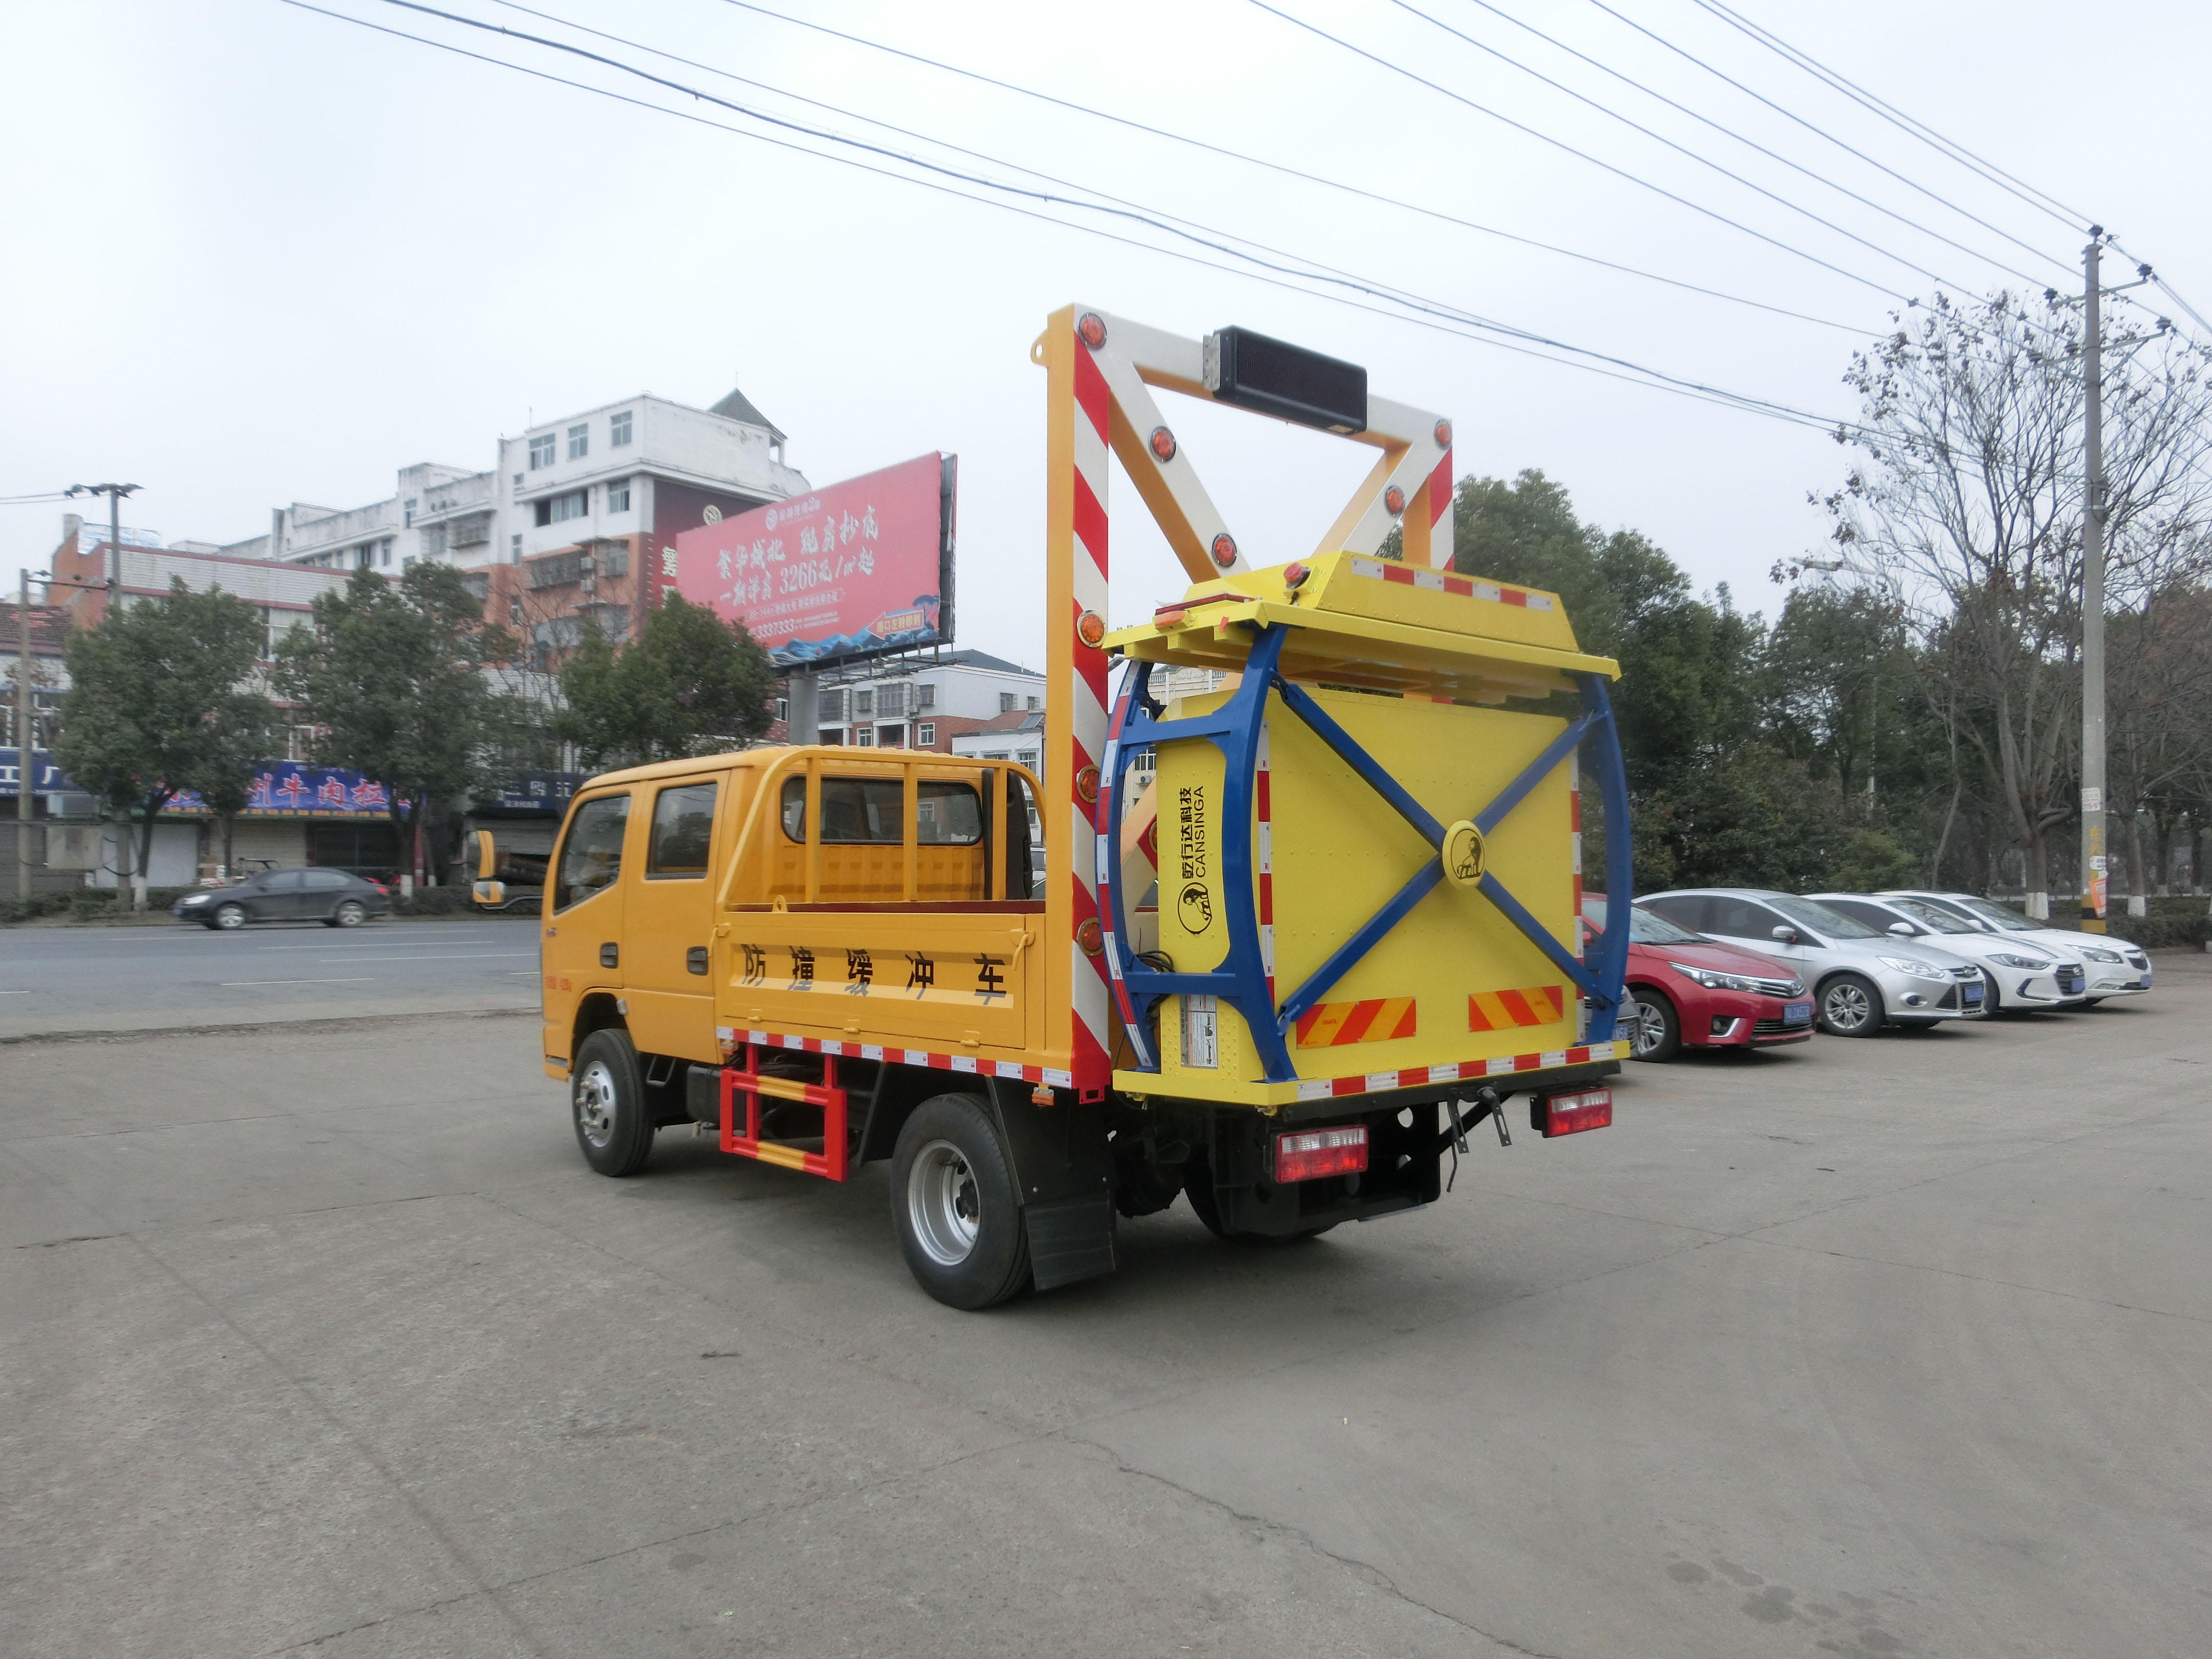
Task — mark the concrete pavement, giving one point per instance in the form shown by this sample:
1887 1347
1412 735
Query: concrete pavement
57 980
328 1341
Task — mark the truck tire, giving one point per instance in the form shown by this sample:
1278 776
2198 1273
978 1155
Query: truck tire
606 1096
1850 1006
1658 1034
954 1205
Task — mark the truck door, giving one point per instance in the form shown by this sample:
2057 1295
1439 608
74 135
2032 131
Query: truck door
580 940
668 920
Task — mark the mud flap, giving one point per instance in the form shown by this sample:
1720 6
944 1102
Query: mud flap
1065 1177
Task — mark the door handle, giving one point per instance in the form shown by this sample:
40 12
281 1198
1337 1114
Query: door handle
609 956
695 959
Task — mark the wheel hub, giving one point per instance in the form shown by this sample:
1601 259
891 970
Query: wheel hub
942 1204
595 1104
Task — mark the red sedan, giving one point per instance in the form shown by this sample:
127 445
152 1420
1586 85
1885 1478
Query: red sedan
1688 989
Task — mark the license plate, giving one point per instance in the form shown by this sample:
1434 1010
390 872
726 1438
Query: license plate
1796 1014
1972 995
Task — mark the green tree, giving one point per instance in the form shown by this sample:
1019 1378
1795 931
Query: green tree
689 682
1966 502
158 692
397 678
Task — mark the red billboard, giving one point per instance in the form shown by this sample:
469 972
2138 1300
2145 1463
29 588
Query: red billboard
855 570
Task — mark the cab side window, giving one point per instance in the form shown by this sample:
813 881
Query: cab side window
683 833
591 858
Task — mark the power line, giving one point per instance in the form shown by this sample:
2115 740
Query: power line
1774 156
1949 149
1278 167
1559 143
1203 238
1371 286
1634 373
1849 149
1682 149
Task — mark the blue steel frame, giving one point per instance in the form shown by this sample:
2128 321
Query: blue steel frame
1241 981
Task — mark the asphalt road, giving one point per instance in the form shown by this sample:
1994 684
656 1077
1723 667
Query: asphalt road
325 1338
130 978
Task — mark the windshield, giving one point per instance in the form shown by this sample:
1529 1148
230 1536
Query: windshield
2011 920
1644 926
1820 918
1934 917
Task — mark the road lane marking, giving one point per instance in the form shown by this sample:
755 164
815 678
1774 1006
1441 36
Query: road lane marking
480 956
356 979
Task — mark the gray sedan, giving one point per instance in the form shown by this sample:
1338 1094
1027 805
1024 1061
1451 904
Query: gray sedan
329 896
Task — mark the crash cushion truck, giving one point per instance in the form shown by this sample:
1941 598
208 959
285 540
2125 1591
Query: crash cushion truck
1340 928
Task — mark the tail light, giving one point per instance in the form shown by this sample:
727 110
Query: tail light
1309 1154
1570 1113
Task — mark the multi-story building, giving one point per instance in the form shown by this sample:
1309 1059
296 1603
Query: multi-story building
558 533
925 701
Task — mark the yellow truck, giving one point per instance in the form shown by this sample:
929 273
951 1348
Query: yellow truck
1338 927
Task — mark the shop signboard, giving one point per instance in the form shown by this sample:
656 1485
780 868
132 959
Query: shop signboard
852 570
47 778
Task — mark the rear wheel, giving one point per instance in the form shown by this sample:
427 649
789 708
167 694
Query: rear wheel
349 915
1850 1006
606 1095
1658 1031
955 1207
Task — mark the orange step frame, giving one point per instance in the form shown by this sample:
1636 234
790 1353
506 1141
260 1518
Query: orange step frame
747 1080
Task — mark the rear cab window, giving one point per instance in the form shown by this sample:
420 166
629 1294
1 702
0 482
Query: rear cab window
866 811
683 833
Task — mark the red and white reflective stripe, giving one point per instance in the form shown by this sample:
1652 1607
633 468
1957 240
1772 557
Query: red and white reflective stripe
1139 1038
1011 1071
1091 1038
1575 825
1440 521
1416 1077
1263 839
1445 582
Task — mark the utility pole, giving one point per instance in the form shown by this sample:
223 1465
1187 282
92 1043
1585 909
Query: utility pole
115 493
24 769
2093 886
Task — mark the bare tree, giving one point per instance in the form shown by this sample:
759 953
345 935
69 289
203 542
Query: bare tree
1967 502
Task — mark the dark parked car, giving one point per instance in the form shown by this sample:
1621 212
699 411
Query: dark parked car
329 896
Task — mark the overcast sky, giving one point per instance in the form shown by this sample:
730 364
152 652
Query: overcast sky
257 255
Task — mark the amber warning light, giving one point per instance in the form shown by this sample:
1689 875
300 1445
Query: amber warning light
1309 1154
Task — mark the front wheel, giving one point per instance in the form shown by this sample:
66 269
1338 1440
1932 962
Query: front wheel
2091 1002
955 1207
1992 999
606 1096
1850 1006
1658 1033
230 916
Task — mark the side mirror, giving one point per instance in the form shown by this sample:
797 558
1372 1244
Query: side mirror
1785 935
1903 929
